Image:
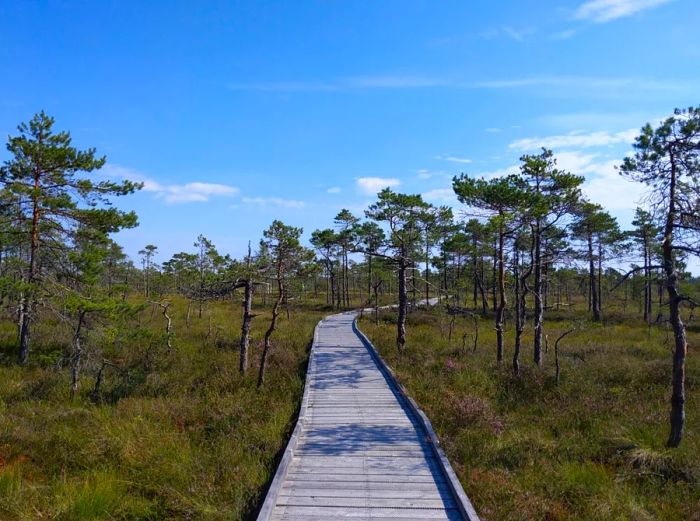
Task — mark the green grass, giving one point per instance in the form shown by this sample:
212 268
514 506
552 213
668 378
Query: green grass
178 435
181 435
526 448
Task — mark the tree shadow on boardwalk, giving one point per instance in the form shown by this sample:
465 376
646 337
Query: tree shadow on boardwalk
354 439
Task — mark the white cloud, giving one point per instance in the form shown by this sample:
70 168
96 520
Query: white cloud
454 159
193 192
373 185
604 185
170 193
575 139
575 162
429 174
493 130
274 201
333 190
606 10
441 196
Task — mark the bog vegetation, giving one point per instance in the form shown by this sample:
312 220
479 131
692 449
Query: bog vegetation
139 389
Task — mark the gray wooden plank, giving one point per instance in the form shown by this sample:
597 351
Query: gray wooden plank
329 512
361 451
369 502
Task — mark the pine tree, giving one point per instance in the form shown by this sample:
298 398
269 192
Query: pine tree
47 177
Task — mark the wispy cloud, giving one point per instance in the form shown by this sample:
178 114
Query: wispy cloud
501 172
454 159
569 84
274 201
441 196
602 11
344 84
424 173
583 83
194 192
333 190
506 31
564 35
396 82
493 130
574 139
372 185
589 120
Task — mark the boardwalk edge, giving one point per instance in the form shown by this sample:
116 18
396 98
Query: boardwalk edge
464 504
281 472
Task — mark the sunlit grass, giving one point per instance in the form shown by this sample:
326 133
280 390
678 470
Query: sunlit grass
177 435
526 448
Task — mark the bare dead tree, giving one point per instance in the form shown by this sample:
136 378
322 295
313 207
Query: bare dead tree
459 311
165 305
189 312
556 351
96 394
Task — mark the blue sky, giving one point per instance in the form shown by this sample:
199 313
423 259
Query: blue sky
235 113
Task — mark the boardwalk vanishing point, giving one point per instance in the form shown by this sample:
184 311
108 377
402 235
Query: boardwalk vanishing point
361 448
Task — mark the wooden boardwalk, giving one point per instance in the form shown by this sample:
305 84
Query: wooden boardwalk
361 449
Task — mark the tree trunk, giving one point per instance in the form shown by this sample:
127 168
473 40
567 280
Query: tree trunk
24 323
600 278
647 282
521 289
271 328
482 291
168 327
475 269
519 316
27 303
539 310
594 299
681 345
427 270
245 327
376 302
96 394
494 282
369 278
500 312
414 287
403 307
77 355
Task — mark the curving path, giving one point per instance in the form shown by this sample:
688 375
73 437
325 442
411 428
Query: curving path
361 448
